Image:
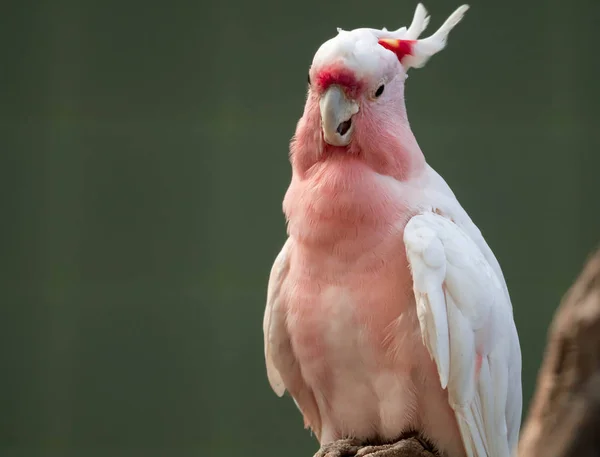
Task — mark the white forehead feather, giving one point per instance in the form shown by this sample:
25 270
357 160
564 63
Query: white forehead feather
356 50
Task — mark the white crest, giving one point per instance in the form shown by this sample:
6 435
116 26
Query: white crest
359 48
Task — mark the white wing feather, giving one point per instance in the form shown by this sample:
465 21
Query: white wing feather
275 334
283 369
466 319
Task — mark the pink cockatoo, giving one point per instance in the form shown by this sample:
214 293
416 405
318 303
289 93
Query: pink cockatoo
386 311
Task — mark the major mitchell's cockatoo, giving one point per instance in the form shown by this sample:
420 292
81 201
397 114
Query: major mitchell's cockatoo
386 311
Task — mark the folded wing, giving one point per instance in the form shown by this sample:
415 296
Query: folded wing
467 325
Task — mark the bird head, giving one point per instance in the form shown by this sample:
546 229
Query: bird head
355 104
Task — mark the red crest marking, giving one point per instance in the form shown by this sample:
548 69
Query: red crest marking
401 48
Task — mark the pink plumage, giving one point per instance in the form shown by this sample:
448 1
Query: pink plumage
386 309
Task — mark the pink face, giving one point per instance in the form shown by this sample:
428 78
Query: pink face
354 110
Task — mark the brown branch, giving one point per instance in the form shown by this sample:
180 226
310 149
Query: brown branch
564 419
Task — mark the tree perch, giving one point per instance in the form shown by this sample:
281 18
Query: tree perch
564 418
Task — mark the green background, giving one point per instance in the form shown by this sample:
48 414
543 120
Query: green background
143 164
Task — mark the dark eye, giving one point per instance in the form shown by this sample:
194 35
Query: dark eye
379 91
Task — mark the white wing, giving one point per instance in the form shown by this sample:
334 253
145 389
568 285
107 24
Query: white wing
283 370
467 325
275 333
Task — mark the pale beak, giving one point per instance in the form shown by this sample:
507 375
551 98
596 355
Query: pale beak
336 116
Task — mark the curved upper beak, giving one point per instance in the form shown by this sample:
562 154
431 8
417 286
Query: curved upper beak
336 116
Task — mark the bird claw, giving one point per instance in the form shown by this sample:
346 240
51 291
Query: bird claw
412 446
374 450
340 448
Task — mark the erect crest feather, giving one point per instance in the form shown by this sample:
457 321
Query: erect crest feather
414 53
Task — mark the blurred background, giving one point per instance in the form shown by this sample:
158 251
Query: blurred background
143 163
